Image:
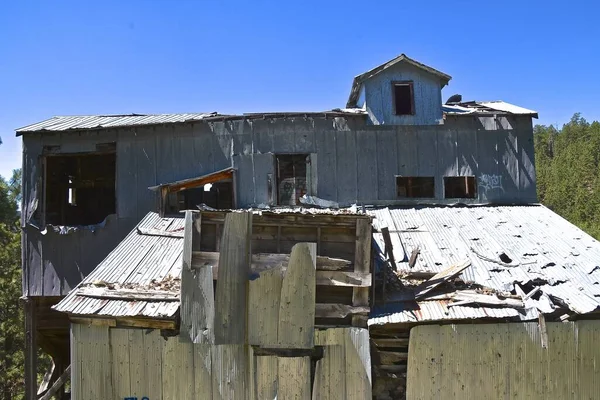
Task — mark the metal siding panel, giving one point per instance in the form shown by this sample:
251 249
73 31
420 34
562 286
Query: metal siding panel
304 135
205 146
387 164
466 153
35 261
447 164
527 173
407 151
283 137
262 135
223 148
326 150
145 155
127 204
263 165
52 252
509 165
244 180
367 174
166 158
488 188
346 168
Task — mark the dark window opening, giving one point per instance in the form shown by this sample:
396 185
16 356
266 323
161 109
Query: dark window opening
460 187
403 98
80 188
291 178
415 187
217 195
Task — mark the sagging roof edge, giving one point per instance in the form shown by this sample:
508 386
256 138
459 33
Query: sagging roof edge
197 181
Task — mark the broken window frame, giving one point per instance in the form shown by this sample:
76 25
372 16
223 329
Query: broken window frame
470 185
410 85
310 162
53 152
410 189
174 189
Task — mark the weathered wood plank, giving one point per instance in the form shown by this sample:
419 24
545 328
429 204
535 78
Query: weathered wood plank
128 294
152 344
298 293
202 371
266 377
158 232
294 378
392 357
330 374
358 364
234 264
331 310
362 264
400 342
263 261
264 294
177 370
119 351
229 372
441 277
197 291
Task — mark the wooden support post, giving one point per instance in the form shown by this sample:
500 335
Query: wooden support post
31 349
58 384
232 286
362 263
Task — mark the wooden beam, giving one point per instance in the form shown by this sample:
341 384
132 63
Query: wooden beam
66 375
298 294
128 294
31 350
158 232
441 277
48 377
263 261
392 357
234 265
339 310
400 342
362 264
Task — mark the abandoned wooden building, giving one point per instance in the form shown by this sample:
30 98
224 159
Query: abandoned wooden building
335 254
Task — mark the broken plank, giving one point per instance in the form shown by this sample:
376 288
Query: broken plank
197 309
339 310
297 304
264 261
463 298
66 375
441 277
234 264
128 294
158 232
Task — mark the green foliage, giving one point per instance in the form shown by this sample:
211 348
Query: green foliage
568 171
11 315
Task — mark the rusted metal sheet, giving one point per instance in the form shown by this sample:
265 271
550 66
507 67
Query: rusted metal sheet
498 361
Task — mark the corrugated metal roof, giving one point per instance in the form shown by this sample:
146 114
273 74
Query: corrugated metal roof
87 122
140 261
483 107
94 122
544 249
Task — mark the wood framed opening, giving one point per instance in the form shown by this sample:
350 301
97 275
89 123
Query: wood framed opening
460 187
79 189
416 187
293 172
403 99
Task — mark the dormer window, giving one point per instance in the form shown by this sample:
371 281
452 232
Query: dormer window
403 98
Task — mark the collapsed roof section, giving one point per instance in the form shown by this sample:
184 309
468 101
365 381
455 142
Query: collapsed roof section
510 262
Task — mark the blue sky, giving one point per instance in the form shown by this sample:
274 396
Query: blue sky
81 57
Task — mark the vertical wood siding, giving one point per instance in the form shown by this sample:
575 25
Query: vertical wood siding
504 361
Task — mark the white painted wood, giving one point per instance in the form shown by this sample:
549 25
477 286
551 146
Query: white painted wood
297 304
